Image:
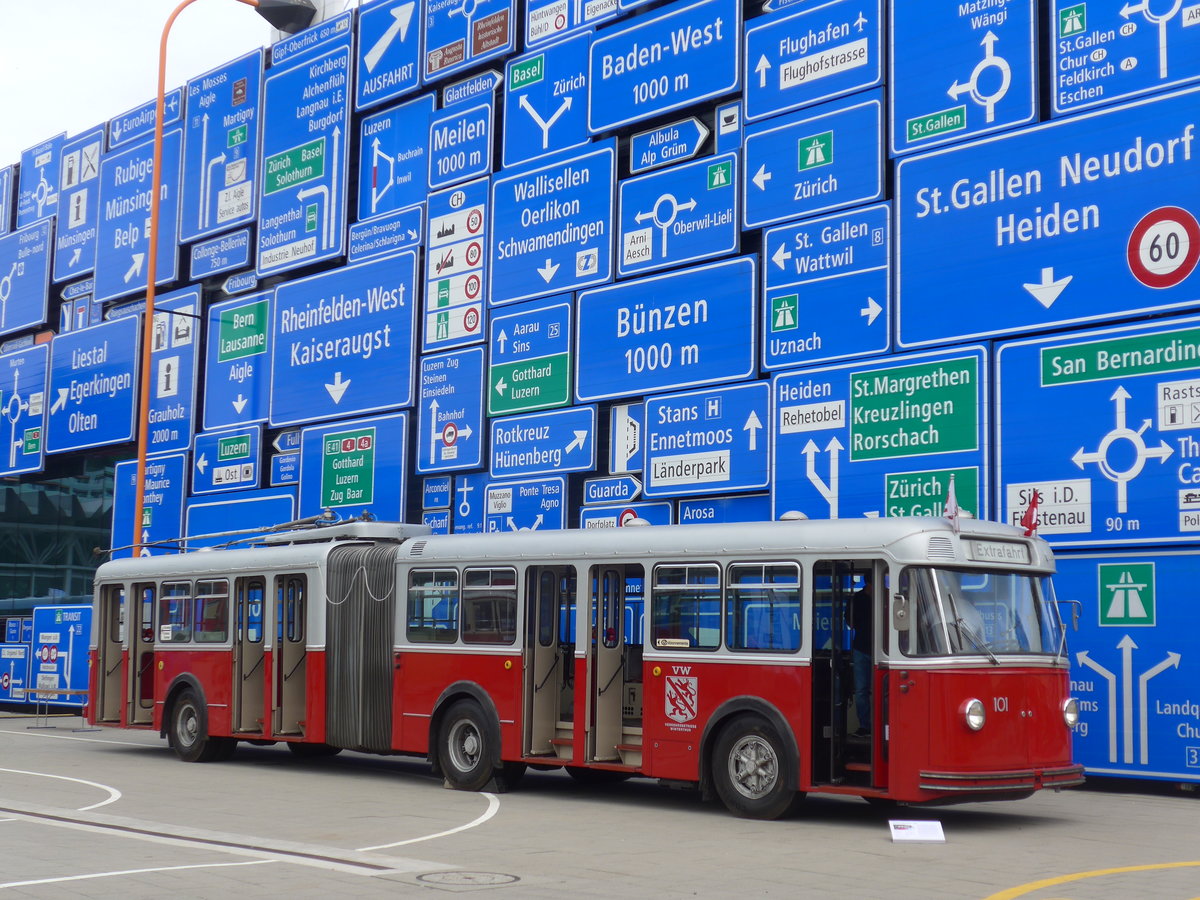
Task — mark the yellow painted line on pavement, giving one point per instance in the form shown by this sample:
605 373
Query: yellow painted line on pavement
1022 890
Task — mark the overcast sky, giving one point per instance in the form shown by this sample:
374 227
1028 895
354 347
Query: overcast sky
66 65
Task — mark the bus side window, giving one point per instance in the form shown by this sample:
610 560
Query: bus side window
763 611
433 606
146 612
489 598
685 607
175 612
212 612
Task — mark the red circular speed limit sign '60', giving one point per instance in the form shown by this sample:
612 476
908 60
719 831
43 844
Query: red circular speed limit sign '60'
1164 247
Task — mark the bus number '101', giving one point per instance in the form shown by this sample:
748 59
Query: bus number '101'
659 356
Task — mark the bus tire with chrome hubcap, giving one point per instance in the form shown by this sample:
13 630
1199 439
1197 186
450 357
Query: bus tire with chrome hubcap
748 770
466 753
188 732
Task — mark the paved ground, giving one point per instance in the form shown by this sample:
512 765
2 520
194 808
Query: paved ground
113 814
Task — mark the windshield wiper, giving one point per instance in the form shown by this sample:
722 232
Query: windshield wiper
964 628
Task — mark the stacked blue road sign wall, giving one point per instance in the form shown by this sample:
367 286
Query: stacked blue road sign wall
499 266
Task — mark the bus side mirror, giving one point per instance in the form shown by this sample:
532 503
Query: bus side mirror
1076 608
900 612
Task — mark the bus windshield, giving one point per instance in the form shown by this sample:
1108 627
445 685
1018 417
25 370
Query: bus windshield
972 612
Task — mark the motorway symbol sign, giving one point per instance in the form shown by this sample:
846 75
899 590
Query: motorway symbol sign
552 226
679 214
525 505
387 234
221 148
626 449
227 460
164 489
737 508
6 198
236 371
93 386
79 205
545 101
812 55
549 20
621 514
244 510
221 254
455 266
563 440
436 491
174 358
389 51
335 332
302 188
462 33
957 71
1053 230
827 288
317 39
138 123
613 489
460 144
710 440
450 411
666 144
355 467
881 437
37 193
25 277
1100 53
1116 417
470 498
814 160
393 168
529 364
683 329
23 376
679 56
123 233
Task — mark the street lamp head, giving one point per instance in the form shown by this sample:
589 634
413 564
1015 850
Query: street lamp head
288 16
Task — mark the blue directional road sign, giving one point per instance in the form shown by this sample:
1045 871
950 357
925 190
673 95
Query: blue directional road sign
123 234
24 276
302 193
450 411
455 266
389 51
138 123
23 409
221 254
436 491
1059 224
285 469
78 206
37 194
317 39
438 520
680 214
545 101
954 73
1105 426
627 446
470 498
6 198
59 660
393 167
1100 53
710 440
679 56
237 370
227 460
1133 663
814 160
475 87
336 332
666 144
812 55
616 516
161 516
552 226
14 668
461 33
680 330
93 386
241 511
526 505
613 489
549 20
563 440
882 437
529 358
221 148
738 508
355 467
387 234
827 288
174 358
460 143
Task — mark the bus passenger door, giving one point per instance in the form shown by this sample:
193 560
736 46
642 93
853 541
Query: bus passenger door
290 655
141 657
611 739
110 641
249 675
549 661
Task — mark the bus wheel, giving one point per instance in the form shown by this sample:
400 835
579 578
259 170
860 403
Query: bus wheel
302 750
747 769
466 757
188 734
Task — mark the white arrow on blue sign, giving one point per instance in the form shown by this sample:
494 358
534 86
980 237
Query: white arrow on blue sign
387 234
525 505
545 101
227 460
24 276
614 489
23 407
563 440
389 50
529 357
93 386
79 206
666 144
450 411
393 169
710 440
236 372
162 505
138 123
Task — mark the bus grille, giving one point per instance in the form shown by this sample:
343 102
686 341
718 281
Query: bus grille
940 548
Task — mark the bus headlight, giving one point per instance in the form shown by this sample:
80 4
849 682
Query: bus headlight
973 714
1071 712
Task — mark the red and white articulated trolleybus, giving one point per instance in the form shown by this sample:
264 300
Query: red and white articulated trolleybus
716 656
